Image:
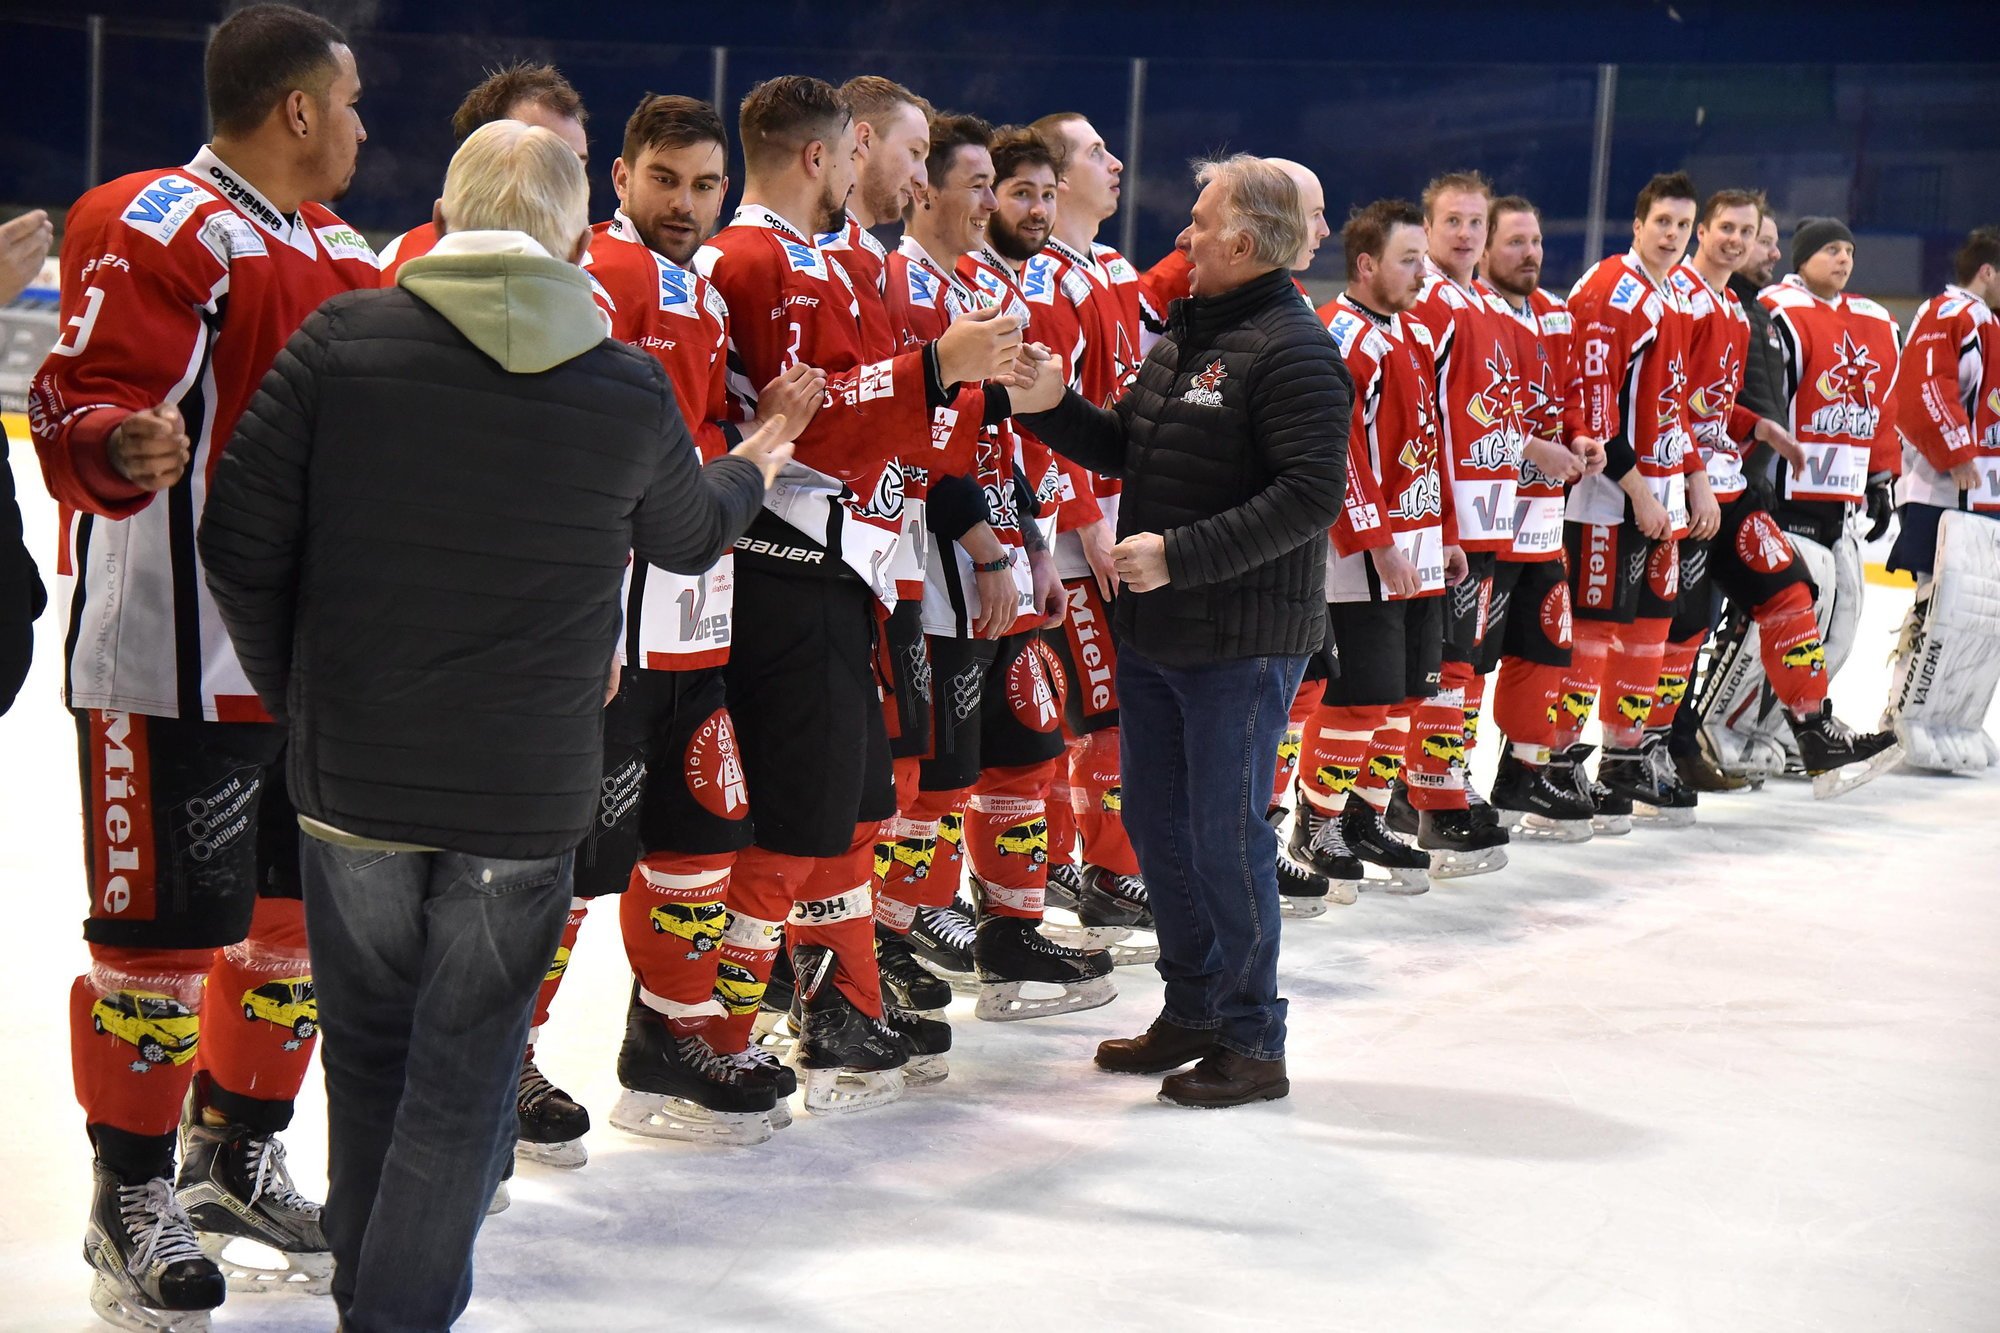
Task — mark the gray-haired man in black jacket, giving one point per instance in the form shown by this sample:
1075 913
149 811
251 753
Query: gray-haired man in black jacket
417 539
1232 445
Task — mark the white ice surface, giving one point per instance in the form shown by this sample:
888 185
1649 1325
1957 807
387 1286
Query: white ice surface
1740 1077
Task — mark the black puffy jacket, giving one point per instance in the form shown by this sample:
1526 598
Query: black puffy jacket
1232 445
419 550
22 596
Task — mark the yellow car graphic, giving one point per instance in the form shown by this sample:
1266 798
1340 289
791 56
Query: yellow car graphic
1113 800
1671 690
1451 749
1810 655
1578 704
1337 778
951 830
916 853
738 991
557 965
1385 768
1288 750
1030 839
1635 707
164 1029
288 1002
700 924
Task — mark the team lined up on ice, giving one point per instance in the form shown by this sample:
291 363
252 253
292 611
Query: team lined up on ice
1576 494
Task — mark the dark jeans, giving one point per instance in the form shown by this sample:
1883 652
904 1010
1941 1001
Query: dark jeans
426 964
1199 747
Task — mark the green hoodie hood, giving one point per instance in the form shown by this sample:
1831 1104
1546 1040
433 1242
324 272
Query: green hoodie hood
527 311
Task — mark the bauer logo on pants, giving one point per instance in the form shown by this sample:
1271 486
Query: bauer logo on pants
715 770
1761 546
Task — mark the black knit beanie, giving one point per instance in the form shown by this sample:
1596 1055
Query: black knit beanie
1813 235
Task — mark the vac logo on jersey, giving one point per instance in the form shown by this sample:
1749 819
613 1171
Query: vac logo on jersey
923 287
1205 389
676 288
1035 283
1626 295
164 207
715 769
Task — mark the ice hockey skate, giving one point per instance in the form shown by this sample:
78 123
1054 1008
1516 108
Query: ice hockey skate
1540 803
234 1187
772 1028
552 1123
1459 845
1316 848
1302 890
1024 974
761 1067
1064 881
677 1087
847 1061
1613 813
927 1038
1632 775
1110 909
1367 837
904 977
942 939
151 1272
1837 757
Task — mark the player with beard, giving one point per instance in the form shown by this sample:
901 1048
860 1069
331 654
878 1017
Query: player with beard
1632 378
179 289
996 725
1749 559
1386 561
800 677
1482 459
1087 197
531 94
1529 638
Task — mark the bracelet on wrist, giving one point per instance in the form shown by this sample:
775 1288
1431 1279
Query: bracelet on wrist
992 566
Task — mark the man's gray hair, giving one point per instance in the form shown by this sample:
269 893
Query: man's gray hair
1260 201
509 176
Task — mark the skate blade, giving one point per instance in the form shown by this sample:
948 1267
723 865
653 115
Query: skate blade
1447 864
781 1114
119 1307
309 1273
1663 816
1404 881
1009 1001
847 1091
1140 954
656 1116
772 1031
1080 936
1540 828
1299 908
1840 781
564 1156
925 1070
1614 826
502 1200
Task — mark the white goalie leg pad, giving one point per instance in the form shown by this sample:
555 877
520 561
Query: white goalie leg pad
1839 610
1948 656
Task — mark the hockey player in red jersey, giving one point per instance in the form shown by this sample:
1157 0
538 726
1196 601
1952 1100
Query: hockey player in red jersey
996 727
179 287
1948 410
1385 574
1631 387
800 678
1530 632
1087 197
532 94
1839 354
1749 560
1482 458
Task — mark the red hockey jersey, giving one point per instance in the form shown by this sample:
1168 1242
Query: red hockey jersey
178 286
1717 346
412 244
1840 364
791 302
1541 341
1478 412
1395 490
673 622
1948 402
1629 388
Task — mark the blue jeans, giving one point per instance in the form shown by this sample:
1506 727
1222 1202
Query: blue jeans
426 964
1199 748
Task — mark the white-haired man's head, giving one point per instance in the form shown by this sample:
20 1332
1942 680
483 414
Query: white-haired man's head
510 176
1312 199
1246 222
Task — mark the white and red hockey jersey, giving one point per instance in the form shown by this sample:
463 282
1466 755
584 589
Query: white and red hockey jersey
1717 346
1948 403
1541 334
415 243
792 302
1629 388
673 622
1395 485
1478 411
178 286
1840 365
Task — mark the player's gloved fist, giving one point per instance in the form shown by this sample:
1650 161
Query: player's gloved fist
1881 503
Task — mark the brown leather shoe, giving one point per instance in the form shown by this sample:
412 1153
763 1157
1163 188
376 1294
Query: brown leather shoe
1224 1078
1702 773
1163 1046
